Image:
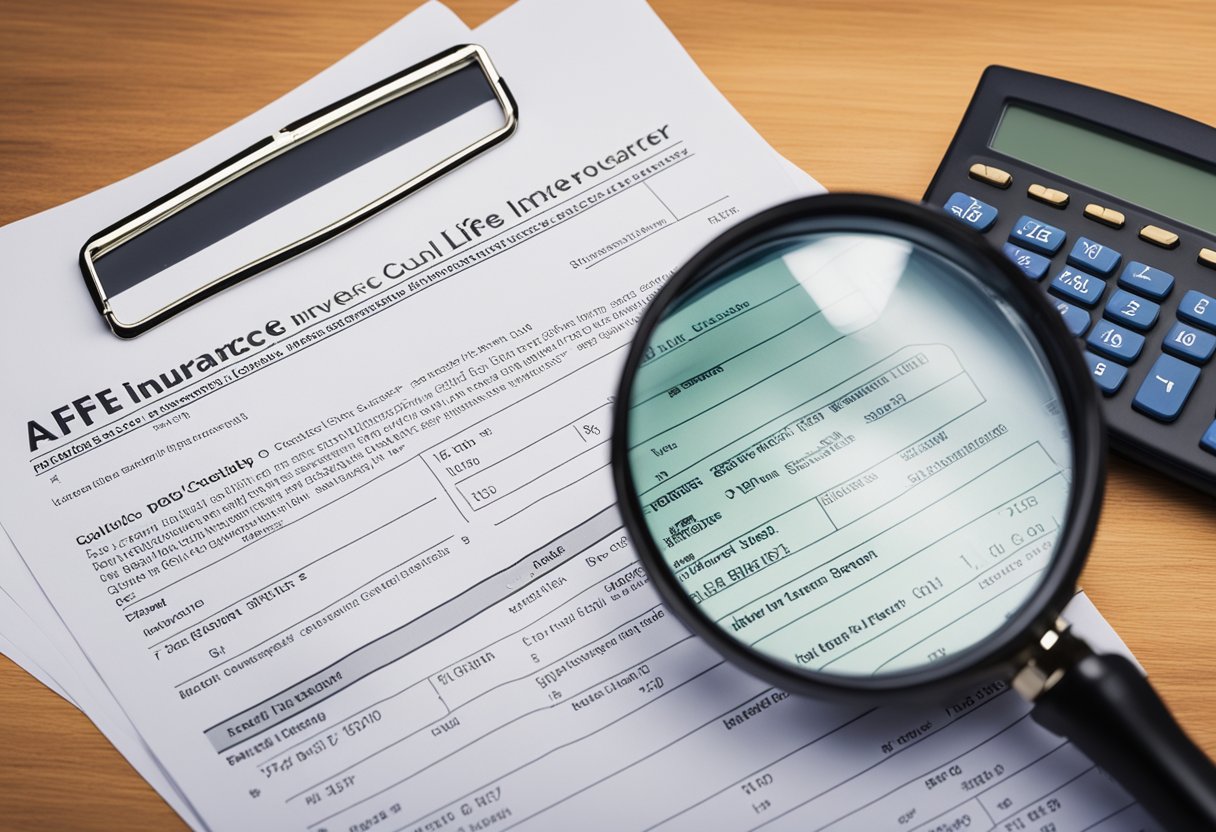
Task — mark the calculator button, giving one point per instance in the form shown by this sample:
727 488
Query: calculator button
1189 343
1207 257
1040 236
1115 342
1166 388
1054 198
1095 257
1077 286
1158 236
1032 265
1208 442
1106 216
1108 375
992 176
1133 311
1198 308
1145 280
968 209
1076 320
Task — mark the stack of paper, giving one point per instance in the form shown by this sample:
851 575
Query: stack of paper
367 573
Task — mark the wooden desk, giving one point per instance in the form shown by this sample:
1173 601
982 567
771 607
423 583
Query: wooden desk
865 95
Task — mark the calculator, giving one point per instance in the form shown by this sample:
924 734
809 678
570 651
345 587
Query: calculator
1109 205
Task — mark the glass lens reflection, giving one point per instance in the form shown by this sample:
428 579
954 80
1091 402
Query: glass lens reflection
850 454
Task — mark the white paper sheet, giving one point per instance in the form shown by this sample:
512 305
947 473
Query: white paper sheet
368 573
35 637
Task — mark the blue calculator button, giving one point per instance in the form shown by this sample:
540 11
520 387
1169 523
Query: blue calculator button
1198 308
1165 388
1080 287
1108 375
1039 236
1094 257
1075 318
1115 342
1208 442
1145 280
1190 343
968 209
1131 310
1032 265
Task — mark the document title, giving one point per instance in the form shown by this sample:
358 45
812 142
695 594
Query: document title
473 229
83 412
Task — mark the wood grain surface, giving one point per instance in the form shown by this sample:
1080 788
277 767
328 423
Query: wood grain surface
864 95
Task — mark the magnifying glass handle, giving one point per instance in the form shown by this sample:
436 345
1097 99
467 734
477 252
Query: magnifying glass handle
1110 711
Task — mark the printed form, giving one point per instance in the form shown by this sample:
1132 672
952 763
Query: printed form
341 541
39 641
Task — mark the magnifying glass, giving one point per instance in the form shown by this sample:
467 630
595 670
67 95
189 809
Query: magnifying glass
860 456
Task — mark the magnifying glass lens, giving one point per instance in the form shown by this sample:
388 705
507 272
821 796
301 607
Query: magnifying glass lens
850 454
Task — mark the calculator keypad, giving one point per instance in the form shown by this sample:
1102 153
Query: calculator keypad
1094 257
1104 215
1075 318
1208 442
1159 236
1165 389
1115 342
1108 375
1036 234
967 209
1147 281
1189 343
1078 287
1138 313
1198 308
1032 265
1146 351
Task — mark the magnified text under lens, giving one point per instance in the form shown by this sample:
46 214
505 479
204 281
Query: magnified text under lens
850 454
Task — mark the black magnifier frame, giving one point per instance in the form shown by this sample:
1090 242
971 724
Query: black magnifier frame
1004 651
1100 702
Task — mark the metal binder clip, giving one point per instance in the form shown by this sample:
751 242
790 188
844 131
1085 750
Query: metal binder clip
137 270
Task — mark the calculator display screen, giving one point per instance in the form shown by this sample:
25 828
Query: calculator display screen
1128 170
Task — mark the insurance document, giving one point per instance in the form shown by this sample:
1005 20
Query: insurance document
341 541
31 632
